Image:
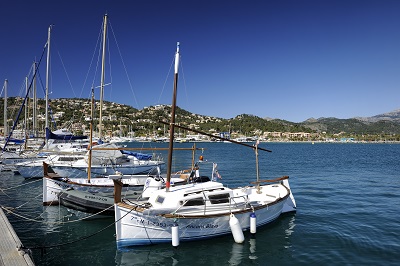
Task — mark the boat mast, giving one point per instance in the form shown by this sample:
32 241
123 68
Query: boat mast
89 170
34 104
5 109
26 115
47 82
172 125
102 75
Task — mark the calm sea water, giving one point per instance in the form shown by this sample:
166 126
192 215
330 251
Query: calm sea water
348 200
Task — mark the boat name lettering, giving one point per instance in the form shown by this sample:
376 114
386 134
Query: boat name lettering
94 197
202 226
152 223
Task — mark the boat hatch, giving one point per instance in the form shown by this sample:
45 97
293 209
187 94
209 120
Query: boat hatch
160 199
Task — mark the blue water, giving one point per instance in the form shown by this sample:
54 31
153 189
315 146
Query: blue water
348 211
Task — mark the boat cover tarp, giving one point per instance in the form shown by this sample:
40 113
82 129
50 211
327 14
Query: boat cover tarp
16 141
138 155
51 135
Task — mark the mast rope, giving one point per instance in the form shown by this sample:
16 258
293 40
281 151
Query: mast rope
123 64
24 101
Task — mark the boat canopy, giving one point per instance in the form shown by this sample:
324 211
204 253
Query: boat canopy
63 135
138 155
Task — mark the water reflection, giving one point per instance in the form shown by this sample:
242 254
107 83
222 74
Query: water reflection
151 255
236 254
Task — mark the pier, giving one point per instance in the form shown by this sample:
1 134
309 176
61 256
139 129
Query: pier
10 245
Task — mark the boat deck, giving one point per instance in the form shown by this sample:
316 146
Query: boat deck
9 245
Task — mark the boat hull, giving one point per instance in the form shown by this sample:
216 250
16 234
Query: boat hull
137 228
27 171
97 186
87 202
81 172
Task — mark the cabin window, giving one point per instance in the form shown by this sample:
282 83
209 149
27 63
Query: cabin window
160 199
67 159
219 198
194 202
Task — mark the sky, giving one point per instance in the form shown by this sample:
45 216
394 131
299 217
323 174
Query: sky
285 59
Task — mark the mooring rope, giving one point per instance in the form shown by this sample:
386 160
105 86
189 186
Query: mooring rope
43 248
21 185
9 210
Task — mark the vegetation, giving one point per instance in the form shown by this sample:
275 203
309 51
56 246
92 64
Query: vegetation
123 119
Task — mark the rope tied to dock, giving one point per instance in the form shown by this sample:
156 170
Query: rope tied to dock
9 210
43 248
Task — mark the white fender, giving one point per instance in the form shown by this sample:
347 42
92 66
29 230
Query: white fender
175 235
253 223
236 229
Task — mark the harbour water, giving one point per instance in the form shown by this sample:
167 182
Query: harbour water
348 211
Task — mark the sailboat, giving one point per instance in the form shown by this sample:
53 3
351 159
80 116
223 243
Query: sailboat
99 162
195 211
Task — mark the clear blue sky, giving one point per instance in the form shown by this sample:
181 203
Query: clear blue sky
287 59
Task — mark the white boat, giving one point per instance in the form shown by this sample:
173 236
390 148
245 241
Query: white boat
82 198
106 162
53 184
100 161
33 167
86 194
198 210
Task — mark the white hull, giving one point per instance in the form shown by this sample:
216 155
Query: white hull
30 171
33 168
97 170
138 229
98 186
153 226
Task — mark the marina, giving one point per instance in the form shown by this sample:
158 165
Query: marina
78 187
342 217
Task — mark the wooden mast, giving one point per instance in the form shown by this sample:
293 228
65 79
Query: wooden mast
172 124
89 169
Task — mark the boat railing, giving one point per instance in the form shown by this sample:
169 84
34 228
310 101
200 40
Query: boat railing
211 206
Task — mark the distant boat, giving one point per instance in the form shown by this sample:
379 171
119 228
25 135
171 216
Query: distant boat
33 167
108 159
102 160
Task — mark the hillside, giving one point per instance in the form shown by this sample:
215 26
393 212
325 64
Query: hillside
75 113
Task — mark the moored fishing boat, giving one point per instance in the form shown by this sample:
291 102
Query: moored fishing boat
53 184
197 211
94 201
